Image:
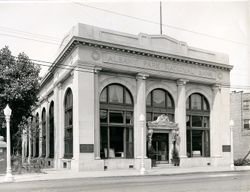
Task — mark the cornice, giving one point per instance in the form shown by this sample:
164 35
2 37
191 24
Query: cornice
77 41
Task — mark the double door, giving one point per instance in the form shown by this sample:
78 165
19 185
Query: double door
160 144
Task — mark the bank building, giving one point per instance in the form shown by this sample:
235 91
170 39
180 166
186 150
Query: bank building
110 96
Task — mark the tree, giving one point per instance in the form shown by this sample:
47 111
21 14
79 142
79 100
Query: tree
19 85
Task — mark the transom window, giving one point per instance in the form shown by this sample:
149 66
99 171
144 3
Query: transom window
68 124
116 121
159 102
43 132
198 127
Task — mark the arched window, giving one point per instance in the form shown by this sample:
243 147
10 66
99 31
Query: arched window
43 132
37 131
68 122
51 130
116 122
159 102
198 128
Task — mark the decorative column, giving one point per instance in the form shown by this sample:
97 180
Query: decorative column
140 110
180 116
8 177
60 115
97 115
215 143
56 126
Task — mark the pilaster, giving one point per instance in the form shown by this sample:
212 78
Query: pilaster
215 121
97 115
140 108
180 115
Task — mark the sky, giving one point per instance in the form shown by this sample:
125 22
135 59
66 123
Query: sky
37 27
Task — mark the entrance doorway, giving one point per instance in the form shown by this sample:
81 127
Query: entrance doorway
160 145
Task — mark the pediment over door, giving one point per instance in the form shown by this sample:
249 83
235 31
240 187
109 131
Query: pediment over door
162 124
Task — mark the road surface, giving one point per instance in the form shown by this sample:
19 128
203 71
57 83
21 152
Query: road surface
199 182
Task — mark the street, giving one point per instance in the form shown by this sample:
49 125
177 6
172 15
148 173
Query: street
199 182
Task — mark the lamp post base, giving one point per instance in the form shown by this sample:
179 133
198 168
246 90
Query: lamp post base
143 171
9 178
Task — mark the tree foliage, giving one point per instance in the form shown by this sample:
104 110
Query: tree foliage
19 85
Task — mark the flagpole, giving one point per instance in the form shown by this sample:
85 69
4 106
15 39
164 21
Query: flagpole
160 19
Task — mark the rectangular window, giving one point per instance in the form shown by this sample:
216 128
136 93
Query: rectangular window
188 121
149 117
247 124
129 117
196 121
104 142
246 105
129 143
116 140
103 116
116 117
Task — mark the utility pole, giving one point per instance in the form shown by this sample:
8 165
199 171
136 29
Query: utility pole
160 19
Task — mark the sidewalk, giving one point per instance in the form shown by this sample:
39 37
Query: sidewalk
50 174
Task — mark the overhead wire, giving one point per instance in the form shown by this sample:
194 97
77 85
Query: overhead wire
157 23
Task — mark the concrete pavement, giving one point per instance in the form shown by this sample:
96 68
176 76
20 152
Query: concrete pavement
51 174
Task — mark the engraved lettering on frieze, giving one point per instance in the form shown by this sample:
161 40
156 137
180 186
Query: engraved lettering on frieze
96 55
162 66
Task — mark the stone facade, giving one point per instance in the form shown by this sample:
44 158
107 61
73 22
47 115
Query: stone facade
90 59
240 114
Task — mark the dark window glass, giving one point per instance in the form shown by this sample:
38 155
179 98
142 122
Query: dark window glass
43 133
116 123
103 116
51 130
189 143
116 117
129 143
188 121
129 117
104 142
68 131
206 122
196 121
197 143
246 123
116 142
37 135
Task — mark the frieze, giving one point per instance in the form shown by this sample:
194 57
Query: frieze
156 64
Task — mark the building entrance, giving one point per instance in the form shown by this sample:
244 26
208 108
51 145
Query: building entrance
160 145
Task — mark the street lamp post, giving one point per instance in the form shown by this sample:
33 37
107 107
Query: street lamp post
8 177
142 120
231 124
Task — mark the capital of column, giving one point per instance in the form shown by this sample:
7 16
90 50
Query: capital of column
216 88
181 82
142 76
59 85
97 70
